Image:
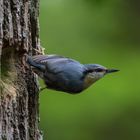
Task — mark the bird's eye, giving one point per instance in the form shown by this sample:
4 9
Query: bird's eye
99 70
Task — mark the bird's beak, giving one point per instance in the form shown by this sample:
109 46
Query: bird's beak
111 70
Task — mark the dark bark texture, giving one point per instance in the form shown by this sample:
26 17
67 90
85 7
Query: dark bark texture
19 105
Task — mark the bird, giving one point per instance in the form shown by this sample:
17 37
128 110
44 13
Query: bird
65 74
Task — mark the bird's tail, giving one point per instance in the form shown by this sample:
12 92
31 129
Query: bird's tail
34 64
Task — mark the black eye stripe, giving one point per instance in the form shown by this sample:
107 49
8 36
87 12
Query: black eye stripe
94 70
99 70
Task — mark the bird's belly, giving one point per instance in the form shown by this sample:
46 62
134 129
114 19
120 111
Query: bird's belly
65 81
70 86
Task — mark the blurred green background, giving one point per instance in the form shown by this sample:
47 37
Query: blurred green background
106 32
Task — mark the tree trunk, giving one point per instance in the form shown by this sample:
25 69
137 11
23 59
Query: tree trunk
19 106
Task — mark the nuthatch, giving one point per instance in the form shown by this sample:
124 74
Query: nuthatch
65 74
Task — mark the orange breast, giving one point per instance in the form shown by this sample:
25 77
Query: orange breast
88 81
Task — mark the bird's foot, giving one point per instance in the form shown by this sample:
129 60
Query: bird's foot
41 89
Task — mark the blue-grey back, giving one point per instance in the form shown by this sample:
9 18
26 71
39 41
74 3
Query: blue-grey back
62 72
57 64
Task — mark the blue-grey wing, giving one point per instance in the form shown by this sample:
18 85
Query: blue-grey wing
61 73
56 63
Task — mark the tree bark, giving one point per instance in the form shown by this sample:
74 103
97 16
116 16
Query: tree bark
19 105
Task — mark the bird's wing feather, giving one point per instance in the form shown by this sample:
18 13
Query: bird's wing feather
53 63
43 58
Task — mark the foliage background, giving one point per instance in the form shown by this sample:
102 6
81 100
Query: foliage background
93 31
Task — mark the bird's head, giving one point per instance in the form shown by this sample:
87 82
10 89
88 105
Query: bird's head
95 72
